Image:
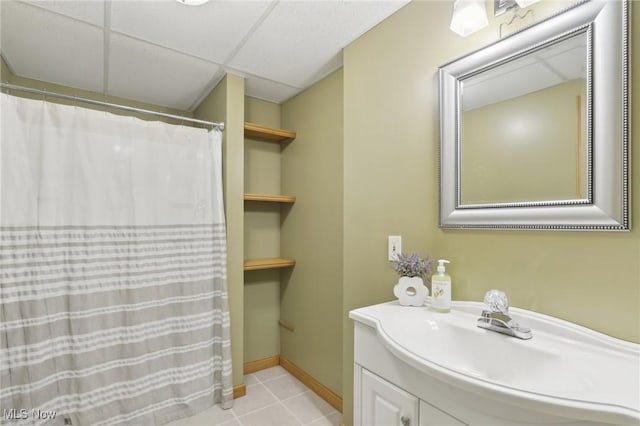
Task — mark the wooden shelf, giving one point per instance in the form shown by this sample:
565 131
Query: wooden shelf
258 131
272 263
270 198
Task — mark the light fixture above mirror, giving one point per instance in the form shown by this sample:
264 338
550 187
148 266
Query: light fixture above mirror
501 6
468 17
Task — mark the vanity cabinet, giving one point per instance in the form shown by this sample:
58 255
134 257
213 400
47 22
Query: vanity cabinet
431 416
389 392
413 366
381 403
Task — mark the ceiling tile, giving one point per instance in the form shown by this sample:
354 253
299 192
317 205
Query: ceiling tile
166 53
83 10
570 63
44 46
324 70
508 85
148 73
260 88
211 31
298 38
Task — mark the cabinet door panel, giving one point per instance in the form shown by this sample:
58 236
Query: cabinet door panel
384 404
431 416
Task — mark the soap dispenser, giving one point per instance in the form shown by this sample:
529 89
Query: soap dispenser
441 289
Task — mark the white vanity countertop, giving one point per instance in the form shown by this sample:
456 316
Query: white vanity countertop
563 364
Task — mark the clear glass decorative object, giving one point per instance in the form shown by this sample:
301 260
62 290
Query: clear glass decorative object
497 301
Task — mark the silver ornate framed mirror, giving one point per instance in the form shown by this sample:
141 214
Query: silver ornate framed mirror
534 128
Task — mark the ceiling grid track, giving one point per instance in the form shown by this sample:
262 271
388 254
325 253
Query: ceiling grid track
224 66
250 33
552 69
72 42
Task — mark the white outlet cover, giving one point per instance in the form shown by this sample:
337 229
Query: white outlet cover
394 246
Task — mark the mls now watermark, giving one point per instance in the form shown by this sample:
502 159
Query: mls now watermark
25 414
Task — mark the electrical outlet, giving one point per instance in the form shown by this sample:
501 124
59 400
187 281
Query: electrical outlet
395 246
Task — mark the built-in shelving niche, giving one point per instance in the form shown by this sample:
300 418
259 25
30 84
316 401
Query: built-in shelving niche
268 134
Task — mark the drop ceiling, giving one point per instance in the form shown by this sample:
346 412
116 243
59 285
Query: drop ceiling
548 66
170 54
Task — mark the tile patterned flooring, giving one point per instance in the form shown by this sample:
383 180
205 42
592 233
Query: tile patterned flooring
274 398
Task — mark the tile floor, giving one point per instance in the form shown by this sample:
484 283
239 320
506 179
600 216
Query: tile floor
274 398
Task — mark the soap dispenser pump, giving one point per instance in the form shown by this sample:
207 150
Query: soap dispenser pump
441 289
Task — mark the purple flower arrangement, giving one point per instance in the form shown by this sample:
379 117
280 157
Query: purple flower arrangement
413 265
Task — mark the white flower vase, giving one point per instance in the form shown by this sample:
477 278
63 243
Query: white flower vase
411 291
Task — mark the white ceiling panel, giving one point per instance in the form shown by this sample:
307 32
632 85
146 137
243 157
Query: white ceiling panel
322 71
571 64
166 53
261 88
87 11
568 57
504 69
148 73
505 86
298 38
211 31
50 47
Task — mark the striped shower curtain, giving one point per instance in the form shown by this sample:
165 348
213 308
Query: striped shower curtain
113 293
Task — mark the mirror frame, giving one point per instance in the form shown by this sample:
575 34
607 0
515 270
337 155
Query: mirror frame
607 206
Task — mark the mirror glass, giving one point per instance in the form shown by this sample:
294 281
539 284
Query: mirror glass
527 119
534 128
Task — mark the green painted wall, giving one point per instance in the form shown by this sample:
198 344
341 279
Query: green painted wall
261 236
312 170
364 166
225 103
523 138
391 187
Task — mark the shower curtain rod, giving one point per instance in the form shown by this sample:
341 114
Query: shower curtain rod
9 86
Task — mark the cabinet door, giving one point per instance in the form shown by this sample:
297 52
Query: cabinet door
431 416
384 404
